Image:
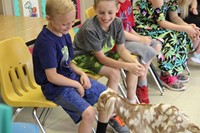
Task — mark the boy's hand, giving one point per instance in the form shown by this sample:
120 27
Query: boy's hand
85 82
136 68
80 89
146 40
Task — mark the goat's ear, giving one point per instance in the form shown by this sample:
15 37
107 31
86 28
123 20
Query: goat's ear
110 106
101 102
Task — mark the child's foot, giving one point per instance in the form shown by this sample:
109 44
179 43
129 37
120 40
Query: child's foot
118 125
142 94
182 78
172 83
195 58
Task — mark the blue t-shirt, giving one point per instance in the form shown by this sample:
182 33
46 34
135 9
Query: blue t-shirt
51 51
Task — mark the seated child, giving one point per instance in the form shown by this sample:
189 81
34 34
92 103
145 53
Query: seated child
93 44
62 81
142 46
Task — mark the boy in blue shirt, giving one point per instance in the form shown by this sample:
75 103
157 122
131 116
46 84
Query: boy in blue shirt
62 81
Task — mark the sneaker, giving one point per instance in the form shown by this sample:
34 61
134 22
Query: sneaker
182 78
142 94
195 57
118 125
171 82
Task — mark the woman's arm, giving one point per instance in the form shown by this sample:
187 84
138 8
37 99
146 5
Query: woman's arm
176 23
193 7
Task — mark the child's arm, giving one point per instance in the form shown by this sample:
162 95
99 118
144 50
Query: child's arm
85 82
134 36
60 80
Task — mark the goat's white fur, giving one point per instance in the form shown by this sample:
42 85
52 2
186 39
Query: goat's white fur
146 118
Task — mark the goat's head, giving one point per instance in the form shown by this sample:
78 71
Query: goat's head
106 103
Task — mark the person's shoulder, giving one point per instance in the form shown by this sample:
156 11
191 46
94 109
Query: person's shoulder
117 20
159 3
90 25
43 38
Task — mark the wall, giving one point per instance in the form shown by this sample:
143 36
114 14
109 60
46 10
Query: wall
84 5
6 7
1 8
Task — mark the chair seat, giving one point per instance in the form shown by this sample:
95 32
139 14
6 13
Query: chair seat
34 98
20 127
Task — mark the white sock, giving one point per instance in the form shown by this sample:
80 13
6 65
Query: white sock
132 101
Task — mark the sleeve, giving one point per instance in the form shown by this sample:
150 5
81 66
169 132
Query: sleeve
173 5
159 14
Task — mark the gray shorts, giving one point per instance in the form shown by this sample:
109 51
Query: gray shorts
145 52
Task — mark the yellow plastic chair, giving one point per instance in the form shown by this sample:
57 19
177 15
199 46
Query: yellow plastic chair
17 83
90 12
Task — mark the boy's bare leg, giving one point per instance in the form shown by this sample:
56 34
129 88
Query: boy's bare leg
88 118
146 66
131 81
113 76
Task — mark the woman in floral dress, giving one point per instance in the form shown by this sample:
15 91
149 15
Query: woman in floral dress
175 34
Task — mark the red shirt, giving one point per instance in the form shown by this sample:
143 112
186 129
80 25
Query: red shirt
126 14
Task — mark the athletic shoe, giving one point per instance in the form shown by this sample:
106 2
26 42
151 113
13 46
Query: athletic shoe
182 78
172 83
142 94
118 125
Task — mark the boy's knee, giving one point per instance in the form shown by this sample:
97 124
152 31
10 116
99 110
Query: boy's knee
89 114
158 47
114 74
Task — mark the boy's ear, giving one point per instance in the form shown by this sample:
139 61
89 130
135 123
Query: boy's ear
48 18
94 8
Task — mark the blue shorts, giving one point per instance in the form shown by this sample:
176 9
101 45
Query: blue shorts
71 101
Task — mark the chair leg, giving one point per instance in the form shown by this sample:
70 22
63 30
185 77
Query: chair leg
34 113
121 89
93 130
48 111
157 79
16 112
188 70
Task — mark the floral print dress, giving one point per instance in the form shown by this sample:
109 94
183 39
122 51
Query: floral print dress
176 45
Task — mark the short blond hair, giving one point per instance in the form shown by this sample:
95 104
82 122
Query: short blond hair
97 1
54 7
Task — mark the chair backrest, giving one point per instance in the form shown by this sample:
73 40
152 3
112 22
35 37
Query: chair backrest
72 33
90 12
16 69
